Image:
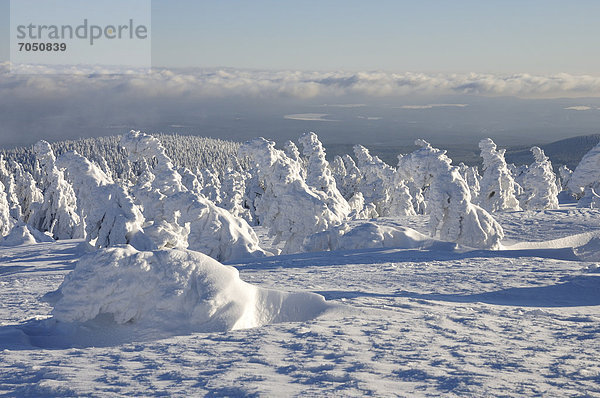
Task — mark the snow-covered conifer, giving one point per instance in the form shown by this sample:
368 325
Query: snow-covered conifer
564 174
29 195
497 184
452 216
288 207
586 174
382 185
108 212
178 218
539 184
318 174
211 185
58 213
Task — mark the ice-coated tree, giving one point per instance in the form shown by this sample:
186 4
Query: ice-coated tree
211 185
351 179
319 176
382 185
107 211
452 216
178 218
539 184
58 213
586 174
190 180
6 223
471 176
29 195
564 174
8 179
497 187
288 206
360 210
338 171
234 194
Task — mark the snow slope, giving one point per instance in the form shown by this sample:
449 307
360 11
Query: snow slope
521 321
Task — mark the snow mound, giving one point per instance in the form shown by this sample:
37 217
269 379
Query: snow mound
24 235
173 290
370 235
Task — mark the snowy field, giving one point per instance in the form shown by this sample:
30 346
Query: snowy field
521 321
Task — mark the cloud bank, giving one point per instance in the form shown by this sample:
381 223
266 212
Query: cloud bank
223 82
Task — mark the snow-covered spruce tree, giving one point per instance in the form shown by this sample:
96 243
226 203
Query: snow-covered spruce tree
29 195
351 180
58 213
318 174
6 222
233 192
211 185
190 180
539 184
382 185
176 217
471 176
497 184
586 174
8 179
564 174
360 210
338 171
452 216
108 212
288 207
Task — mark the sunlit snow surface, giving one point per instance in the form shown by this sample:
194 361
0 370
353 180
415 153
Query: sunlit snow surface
520 322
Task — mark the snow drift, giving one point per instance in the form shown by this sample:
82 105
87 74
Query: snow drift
175 290
368 235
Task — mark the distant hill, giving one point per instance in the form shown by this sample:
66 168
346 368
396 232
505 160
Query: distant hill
568 151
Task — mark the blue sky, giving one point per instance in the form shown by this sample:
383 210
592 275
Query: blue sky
429 36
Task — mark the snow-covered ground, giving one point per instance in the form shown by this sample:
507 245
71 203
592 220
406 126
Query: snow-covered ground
521 321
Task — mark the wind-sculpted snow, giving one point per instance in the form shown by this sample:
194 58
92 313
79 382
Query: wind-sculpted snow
174 290
587 173
497 187
452 216
370 235
108 212
288 207
178 218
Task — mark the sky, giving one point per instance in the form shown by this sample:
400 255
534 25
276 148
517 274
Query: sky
522 72
525 36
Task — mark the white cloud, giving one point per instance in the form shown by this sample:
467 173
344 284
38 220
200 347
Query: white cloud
198 83
315 117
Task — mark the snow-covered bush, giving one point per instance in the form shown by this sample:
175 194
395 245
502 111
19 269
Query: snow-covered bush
539 184
497 187
107 211
173 290
360 210
178 218
58 213
452 216
288 206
